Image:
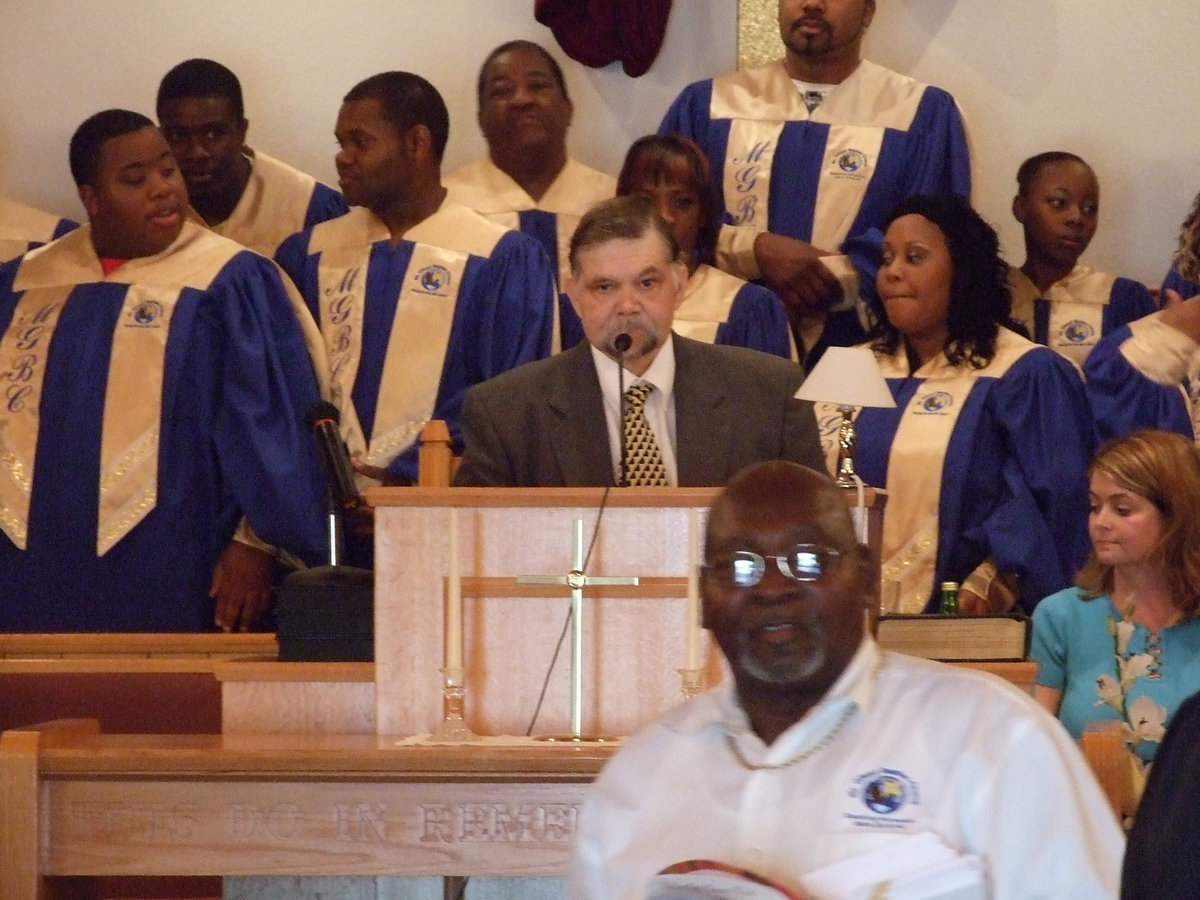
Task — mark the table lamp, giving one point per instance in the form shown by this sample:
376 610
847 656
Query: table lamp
847 377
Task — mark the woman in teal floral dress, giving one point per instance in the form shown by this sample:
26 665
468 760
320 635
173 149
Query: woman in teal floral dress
1124 644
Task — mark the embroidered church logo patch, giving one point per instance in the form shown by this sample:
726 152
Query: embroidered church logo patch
434 279
938 401
885 800
851 161
146 314
1076 332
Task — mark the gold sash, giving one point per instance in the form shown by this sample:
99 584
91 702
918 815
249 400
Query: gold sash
493 193
128 487
23 351
420 333
1077 305
760 101
706 303
271 208
22 225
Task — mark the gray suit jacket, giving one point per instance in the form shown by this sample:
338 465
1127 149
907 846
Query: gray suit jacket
542 424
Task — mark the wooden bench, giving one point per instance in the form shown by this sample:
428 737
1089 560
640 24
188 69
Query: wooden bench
77 802
131 683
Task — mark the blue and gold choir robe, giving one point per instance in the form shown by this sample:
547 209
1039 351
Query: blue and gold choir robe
829 177
1078 310
22 228
984 470
551 221
1144 375
408 328
278 201
144 413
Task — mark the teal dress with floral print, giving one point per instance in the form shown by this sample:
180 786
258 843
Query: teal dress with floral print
1110 668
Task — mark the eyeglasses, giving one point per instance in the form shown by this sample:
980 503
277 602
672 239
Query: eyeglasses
745 568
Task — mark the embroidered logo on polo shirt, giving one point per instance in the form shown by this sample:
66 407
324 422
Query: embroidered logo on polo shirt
1076 332
936 402
434 280
146 314
886 800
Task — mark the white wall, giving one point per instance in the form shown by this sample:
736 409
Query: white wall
62 60
1109 80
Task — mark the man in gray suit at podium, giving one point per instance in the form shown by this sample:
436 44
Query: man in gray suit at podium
680 413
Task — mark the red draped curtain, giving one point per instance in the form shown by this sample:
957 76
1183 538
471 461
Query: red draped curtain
599 32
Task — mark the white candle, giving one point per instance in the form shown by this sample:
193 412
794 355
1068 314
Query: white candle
454 608
691 651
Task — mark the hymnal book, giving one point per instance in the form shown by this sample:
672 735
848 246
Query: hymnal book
955 637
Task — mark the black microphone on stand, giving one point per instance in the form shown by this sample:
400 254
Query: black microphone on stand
621 343
322 418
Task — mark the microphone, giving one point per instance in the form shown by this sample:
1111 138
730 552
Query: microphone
322 418
621 343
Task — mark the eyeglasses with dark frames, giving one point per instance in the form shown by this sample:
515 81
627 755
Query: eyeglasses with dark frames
745 568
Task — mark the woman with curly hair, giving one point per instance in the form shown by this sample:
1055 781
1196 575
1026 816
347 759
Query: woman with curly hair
1184 274
1124 643
983 456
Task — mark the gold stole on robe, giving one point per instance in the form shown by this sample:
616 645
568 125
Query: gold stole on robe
494 194
272 207
707 304
420 333
1076 308
22 225
128 487
916 458
761 100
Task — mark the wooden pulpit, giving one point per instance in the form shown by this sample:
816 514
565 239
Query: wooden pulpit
635 636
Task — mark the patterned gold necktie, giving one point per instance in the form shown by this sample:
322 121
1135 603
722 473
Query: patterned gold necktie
643 460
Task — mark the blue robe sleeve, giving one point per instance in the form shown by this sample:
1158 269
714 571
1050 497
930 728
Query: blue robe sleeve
1177 282
325 204
937 160
1122 399
1128 301
757 320
265 452
1038 529
503 319
293 257
688 115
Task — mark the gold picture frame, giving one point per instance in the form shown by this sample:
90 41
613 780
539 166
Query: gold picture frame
758 32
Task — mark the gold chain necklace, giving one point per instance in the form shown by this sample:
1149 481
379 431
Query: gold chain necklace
799 757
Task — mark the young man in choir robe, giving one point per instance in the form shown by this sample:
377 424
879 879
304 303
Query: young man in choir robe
156 386
417 297
712 409
240 193
527 180
22 228
827 766
810 153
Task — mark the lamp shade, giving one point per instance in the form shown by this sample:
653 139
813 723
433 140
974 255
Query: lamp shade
846 376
